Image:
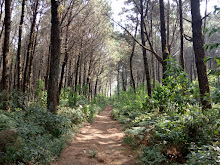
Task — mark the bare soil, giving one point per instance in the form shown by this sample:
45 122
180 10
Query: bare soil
103 137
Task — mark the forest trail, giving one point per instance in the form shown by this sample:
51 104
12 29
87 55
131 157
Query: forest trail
104 136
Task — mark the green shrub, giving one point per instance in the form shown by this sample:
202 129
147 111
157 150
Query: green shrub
40 135
40 94
206 154
130 140
152 155
173 117
75 115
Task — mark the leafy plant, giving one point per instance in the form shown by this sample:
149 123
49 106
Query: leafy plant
40 135
172 117
130 140
93 153
152 155
206 154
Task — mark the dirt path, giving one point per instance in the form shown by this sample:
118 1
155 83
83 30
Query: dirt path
104 136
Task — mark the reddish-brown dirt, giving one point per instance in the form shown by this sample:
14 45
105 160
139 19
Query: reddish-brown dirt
104 136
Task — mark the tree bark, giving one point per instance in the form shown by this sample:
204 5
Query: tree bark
131 59
144 51
198 45
65 61
118 83
168 26
123 79
97 80
77 67
53 91
182 60
48 68
1 13
80 75
30 48
70 75
5 54
163 38
31 61
19 46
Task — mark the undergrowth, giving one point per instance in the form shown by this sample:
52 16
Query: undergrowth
33 135
171 127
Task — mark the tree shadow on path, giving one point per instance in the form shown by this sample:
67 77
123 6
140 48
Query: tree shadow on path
98 144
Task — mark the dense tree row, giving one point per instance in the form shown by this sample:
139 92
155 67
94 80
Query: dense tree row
176 31
71 43
63 43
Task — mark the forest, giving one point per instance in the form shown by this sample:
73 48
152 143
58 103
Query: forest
69 65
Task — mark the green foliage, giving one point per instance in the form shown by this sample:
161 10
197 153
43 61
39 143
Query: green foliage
206 154
72 99
178 93
40 93
215 71
215 92
152 155
85 90
6 122
93 153
217 9
16 99
75 115
172 117
178 85
130 140
160 97
40 135
193 126
102 101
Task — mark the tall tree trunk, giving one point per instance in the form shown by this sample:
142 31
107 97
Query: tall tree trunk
65 61
80 75
118 83
146 68
11 75
101 68
5 54
206 5
158 73
48 68
84 72
70 75
110 87
89 70
96 85
53 91
182 61
18 63
152 42
168 26
1 13
77 67
198 45
31 61
163 38
30 48
131 59
191 70
77 72
123 79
